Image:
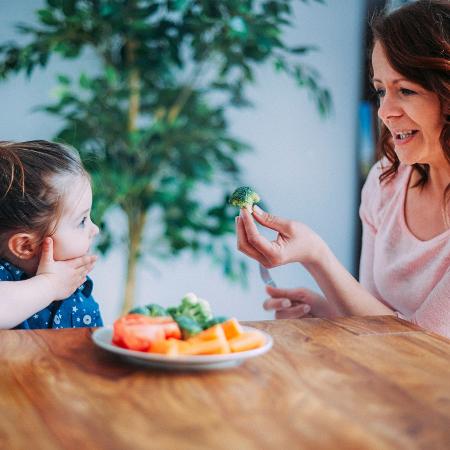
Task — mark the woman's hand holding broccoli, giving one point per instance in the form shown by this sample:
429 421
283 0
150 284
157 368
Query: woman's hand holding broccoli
295 241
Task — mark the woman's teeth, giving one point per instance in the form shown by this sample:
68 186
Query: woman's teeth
404 134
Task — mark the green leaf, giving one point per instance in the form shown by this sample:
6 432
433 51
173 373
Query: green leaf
63 79
84 81
46 17
180 5
303 49
69 7
111 75
54 3
238 25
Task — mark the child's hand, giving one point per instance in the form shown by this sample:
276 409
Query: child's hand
62 277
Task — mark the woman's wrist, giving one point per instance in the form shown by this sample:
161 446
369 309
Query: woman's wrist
318 258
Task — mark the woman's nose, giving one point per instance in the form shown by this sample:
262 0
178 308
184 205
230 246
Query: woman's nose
389 108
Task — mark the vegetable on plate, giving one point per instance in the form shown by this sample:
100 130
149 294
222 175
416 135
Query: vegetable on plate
187 329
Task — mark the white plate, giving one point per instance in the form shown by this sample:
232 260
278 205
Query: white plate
103 338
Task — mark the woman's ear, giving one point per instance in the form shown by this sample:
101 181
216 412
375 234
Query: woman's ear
23 245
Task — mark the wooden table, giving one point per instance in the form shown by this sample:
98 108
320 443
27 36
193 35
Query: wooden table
351 383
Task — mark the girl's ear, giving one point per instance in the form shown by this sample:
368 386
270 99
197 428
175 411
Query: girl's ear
23 245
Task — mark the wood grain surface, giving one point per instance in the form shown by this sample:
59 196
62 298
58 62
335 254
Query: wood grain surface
351 383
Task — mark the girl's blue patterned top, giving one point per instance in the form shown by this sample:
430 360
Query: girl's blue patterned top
78 310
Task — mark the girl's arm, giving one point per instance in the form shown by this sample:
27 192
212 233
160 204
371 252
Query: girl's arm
54 280
21 299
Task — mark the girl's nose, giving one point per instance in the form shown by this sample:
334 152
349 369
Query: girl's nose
95 230
389 108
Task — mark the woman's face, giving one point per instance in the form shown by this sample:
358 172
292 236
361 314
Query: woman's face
411 113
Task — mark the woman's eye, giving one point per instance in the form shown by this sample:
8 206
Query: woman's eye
83 222
405 91
379 92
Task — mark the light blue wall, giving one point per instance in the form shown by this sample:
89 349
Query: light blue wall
304 167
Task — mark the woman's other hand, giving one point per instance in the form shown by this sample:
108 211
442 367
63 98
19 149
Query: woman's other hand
297 303
295 242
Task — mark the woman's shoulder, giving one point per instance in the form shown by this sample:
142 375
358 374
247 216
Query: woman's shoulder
378 194
386 187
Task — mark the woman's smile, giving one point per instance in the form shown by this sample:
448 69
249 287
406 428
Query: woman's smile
403 137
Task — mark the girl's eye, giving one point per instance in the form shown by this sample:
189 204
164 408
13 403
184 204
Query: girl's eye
379 92
83 222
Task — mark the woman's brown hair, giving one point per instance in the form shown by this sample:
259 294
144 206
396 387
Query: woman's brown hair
416 40
32 185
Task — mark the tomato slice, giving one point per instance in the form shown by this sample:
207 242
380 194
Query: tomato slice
138 332
141 337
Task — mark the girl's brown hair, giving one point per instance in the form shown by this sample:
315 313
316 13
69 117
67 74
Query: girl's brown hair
416 40
32 185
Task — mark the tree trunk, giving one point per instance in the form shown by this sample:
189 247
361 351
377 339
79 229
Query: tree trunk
135 99
136 217
136 225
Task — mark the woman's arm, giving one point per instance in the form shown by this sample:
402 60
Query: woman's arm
341 288
297 243
434 313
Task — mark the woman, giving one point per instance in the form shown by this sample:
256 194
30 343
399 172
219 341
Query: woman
405 207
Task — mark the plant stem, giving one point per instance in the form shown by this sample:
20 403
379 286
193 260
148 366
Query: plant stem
136 217
136 223
134 84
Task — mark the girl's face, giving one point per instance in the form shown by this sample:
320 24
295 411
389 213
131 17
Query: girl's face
75 230
411 113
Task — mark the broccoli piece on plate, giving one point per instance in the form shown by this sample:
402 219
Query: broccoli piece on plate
188 326
215 321
139 310
152 310
244 197
193 307
156 310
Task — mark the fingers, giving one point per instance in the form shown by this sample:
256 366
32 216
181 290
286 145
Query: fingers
297 294
243 244
270 221
83 261
294 312
82 276
253 237
290 303
276 303
47 250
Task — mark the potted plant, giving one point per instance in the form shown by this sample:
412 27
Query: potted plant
151 123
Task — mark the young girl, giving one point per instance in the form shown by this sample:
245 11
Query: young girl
45 236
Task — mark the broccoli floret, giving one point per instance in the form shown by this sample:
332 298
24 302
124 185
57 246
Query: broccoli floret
188 326
156 310
215 321
244 197
152 310
139 310
193 307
